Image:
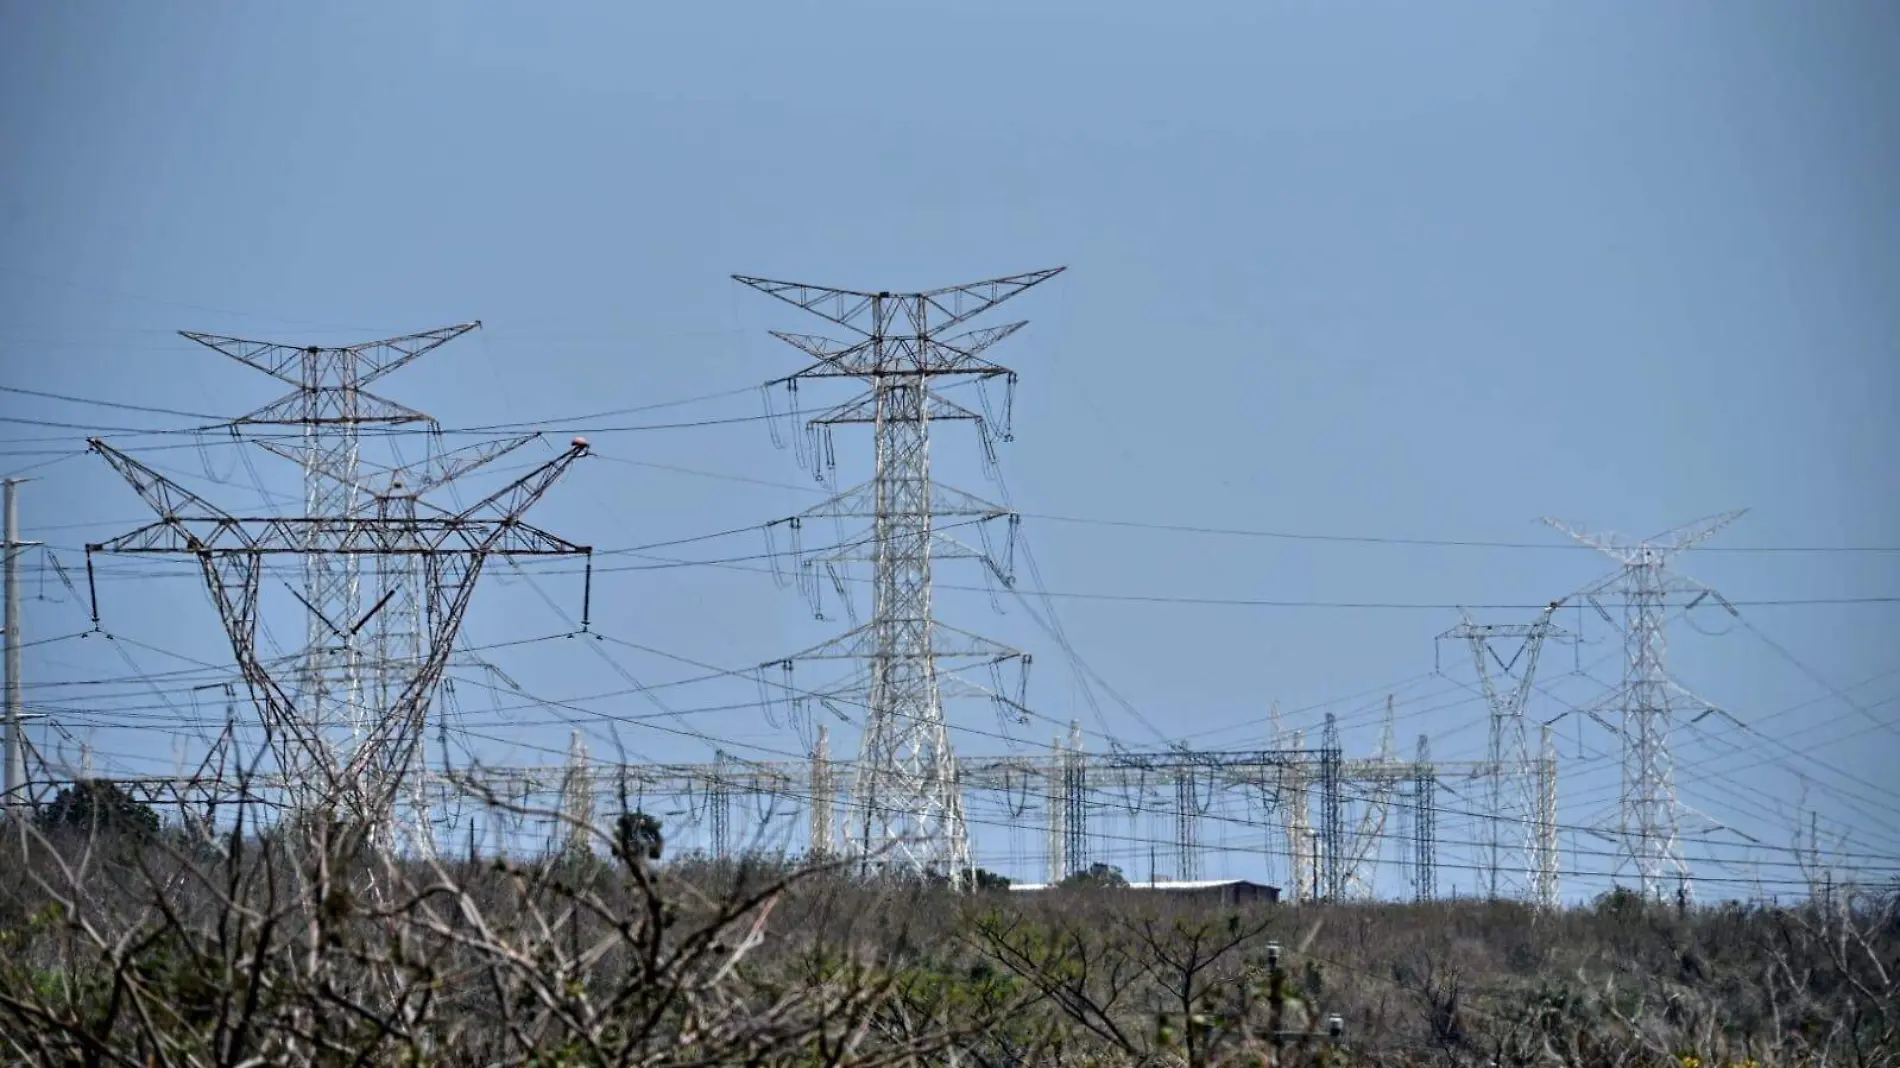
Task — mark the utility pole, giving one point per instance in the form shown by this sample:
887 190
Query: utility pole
907 805
1649 699
16 799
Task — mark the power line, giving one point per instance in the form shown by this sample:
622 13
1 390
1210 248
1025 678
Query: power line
566 422
105 403
664 563
1460 543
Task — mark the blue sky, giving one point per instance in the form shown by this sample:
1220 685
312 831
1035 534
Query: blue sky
1397 270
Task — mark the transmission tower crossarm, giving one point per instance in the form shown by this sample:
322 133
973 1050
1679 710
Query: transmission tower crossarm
279 360
860 644
958 303
165 497
1694 533
218 532
961 351
1668 543
409 480
866 411
927 357
342 535
333 406
369 360
835 358
860 502
509 502
841 306
1601 543
438 471
846 307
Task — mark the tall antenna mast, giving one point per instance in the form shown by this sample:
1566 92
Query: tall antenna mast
907 807
1648 698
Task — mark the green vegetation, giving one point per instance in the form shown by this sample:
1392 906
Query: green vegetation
1096 877
93 805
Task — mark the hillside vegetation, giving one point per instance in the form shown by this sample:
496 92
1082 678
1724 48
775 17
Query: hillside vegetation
121 945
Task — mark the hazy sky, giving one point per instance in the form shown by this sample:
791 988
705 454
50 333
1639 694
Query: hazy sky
1413 271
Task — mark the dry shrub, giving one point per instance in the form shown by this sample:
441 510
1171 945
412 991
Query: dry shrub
311 948
268 947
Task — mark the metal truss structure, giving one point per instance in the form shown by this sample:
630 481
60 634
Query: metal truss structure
352 766
1513 834
1066 784
907 809
1366 839
738 805
1648 699
1174 785
1296 824
1424 827
1548 870
330 408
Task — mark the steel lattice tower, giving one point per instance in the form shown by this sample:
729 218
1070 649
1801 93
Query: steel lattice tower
1513 855
1057 798
907 808
822 795
330 406
1648 698
1331 813
1362 853
1548 868
1296 822
346 746
1075 792
393 497
1425 823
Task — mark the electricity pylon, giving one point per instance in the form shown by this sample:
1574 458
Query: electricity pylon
360 781
1548 867
1513 857
399 638
330 406
906 806
1424 823
1363 850
1648 698
1296 821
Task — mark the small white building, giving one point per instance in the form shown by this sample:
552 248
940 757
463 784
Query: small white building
1229 892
